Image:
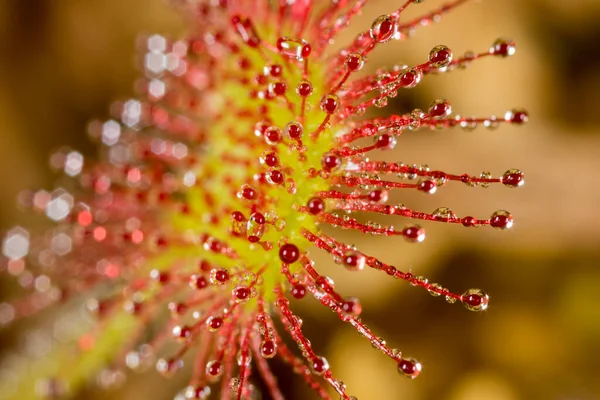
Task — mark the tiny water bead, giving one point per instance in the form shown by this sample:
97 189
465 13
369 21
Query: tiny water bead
252 141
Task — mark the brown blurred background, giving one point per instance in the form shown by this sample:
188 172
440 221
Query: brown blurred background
63 62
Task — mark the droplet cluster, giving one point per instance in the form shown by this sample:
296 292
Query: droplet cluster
194 231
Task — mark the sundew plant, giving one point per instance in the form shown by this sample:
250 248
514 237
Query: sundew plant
190 240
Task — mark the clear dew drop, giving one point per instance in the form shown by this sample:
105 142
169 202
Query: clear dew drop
234 384
485 175
434 289
444 213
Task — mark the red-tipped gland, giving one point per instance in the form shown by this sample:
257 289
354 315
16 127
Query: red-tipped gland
319 365
293 48
440 109
133 307
198 282
259 218
177 309
213 370
330 161
410 78
440 56
261 79
161 277
306 50
354 62
273 135
248 193
409 368
181 332
275 177
298 291
503 47
268 349
518 117
315 205
385 141
274 70
204 266
383 28
427 186
214 323
241 294
198 392
278 88
414 233
260 128
378 196
213 245
468 221
351 307
501 220
289 253
475 300
245 28
168 367
294 130
304 89
219 276
245 64
354 261
270 159
330 103
513 178
238 216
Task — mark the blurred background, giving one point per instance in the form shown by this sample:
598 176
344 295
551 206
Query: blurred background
63 62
